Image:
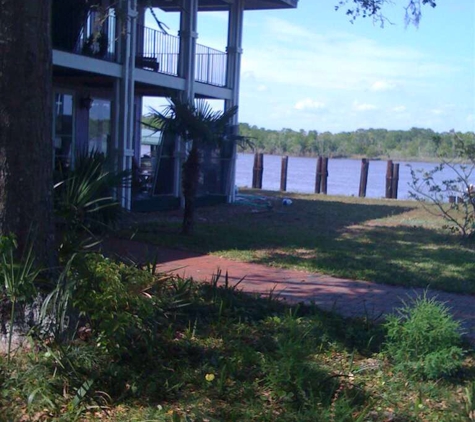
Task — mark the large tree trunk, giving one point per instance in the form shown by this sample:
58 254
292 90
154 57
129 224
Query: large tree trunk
26 153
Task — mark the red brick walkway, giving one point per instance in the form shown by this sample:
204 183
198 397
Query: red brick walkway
347 297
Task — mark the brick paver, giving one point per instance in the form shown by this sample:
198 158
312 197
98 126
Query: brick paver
347 297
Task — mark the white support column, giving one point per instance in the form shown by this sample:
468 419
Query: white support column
186 70
124 94
188 35
233 71
140 35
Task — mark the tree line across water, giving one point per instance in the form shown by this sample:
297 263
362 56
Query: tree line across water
415 144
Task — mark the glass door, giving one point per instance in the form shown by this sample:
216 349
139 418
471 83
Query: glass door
63 131
100 126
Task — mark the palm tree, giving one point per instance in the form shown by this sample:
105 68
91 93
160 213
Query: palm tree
199 126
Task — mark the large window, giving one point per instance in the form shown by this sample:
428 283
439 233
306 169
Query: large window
100 125
63 130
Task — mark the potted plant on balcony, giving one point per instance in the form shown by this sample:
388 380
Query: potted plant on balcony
96 45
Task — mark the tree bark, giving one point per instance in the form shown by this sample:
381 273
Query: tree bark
191 172
26 149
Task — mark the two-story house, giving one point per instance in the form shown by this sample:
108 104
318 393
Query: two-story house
105 61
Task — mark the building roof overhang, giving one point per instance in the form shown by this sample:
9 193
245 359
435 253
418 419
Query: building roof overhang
223 5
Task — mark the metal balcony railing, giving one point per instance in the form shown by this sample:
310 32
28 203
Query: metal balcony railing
159 52
94 35
210 66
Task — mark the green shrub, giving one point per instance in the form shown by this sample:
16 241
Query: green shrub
109 298
85 203
17 288
424 339
103 327
119 306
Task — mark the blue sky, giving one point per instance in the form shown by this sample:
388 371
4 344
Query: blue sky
311 69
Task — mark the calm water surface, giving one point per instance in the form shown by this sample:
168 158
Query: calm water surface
343 175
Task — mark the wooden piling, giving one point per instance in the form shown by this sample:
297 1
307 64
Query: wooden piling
364 177
318 177
395 180
389 179
283 173
261 169
455 199
324 175
257 170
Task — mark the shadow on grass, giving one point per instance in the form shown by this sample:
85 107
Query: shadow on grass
238 226
255 348
404 256
332 237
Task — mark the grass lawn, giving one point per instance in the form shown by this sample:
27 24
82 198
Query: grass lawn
385 241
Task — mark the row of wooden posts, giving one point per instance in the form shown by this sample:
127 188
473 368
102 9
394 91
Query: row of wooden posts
321 178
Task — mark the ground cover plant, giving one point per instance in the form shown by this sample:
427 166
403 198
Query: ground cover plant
151 347
385 241
423 339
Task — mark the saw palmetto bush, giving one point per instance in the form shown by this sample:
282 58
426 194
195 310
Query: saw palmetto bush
86 203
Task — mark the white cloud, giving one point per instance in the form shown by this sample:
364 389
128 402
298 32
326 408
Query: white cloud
286 31
382 86
357 106
309 104
299 57
437 111
399 109
262 88
247 74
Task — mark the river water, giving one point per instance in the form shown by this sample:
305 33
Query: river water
343 175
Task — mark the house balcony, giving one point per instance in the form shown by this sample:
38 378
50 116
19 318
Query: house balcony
159 52
98 36
93 35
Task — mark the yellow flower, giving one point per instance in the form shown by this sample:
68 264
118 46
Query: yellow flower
209 377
